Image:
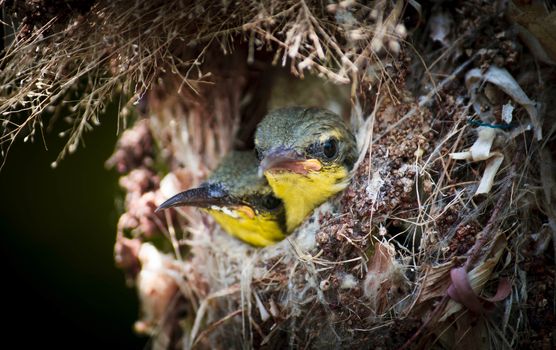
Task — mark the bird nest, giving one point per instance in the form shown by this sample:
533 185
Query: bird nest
441 239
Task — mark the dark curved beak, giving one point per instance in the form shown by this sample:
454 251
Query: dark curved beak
203 197
289 160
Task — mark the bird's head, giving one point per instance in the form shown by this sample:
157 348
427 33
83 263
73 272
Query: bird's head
306 155
239 200
301 139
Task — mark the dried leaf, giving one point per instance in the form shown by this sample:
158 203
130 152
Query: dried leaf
479 276
481 151
435 282
493 164
481 148
460 290
505 82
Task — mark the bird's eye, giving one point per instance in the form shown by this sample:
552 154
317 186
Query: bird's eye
259 155
330 148
270 202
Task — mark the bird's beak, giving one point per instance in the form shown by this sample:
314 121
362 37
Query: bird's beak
204 197
288 160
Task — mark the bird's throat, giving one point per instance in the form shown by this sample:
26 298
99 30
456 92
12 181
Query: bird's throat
302 193
243 223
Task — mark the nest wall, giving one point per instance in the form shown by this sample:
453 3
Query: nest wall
451 200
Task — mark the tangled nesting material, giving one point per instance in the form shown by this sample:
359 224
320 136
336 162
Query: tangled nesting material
372 268
99 50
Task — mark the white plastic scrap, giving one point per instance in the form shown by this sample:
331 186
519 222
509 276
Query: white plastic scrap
493 164
507 113
505 82
481 150
480 275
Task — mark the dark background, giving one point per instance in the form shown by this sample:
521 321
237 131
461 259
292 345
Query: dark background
57 229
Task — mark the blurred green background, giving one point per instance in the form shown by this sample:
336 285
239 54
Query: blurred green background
57 230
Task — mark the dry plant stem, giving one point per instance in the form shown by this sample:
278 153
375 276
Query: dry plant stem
473 254
447 80
214 325
488 233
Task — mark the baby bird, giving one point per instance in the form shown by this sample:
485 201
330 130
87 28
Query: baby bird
239 200
306 155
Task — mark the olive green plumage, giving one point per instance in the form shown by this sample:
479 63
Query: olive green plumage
300 129
239 200
237 176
